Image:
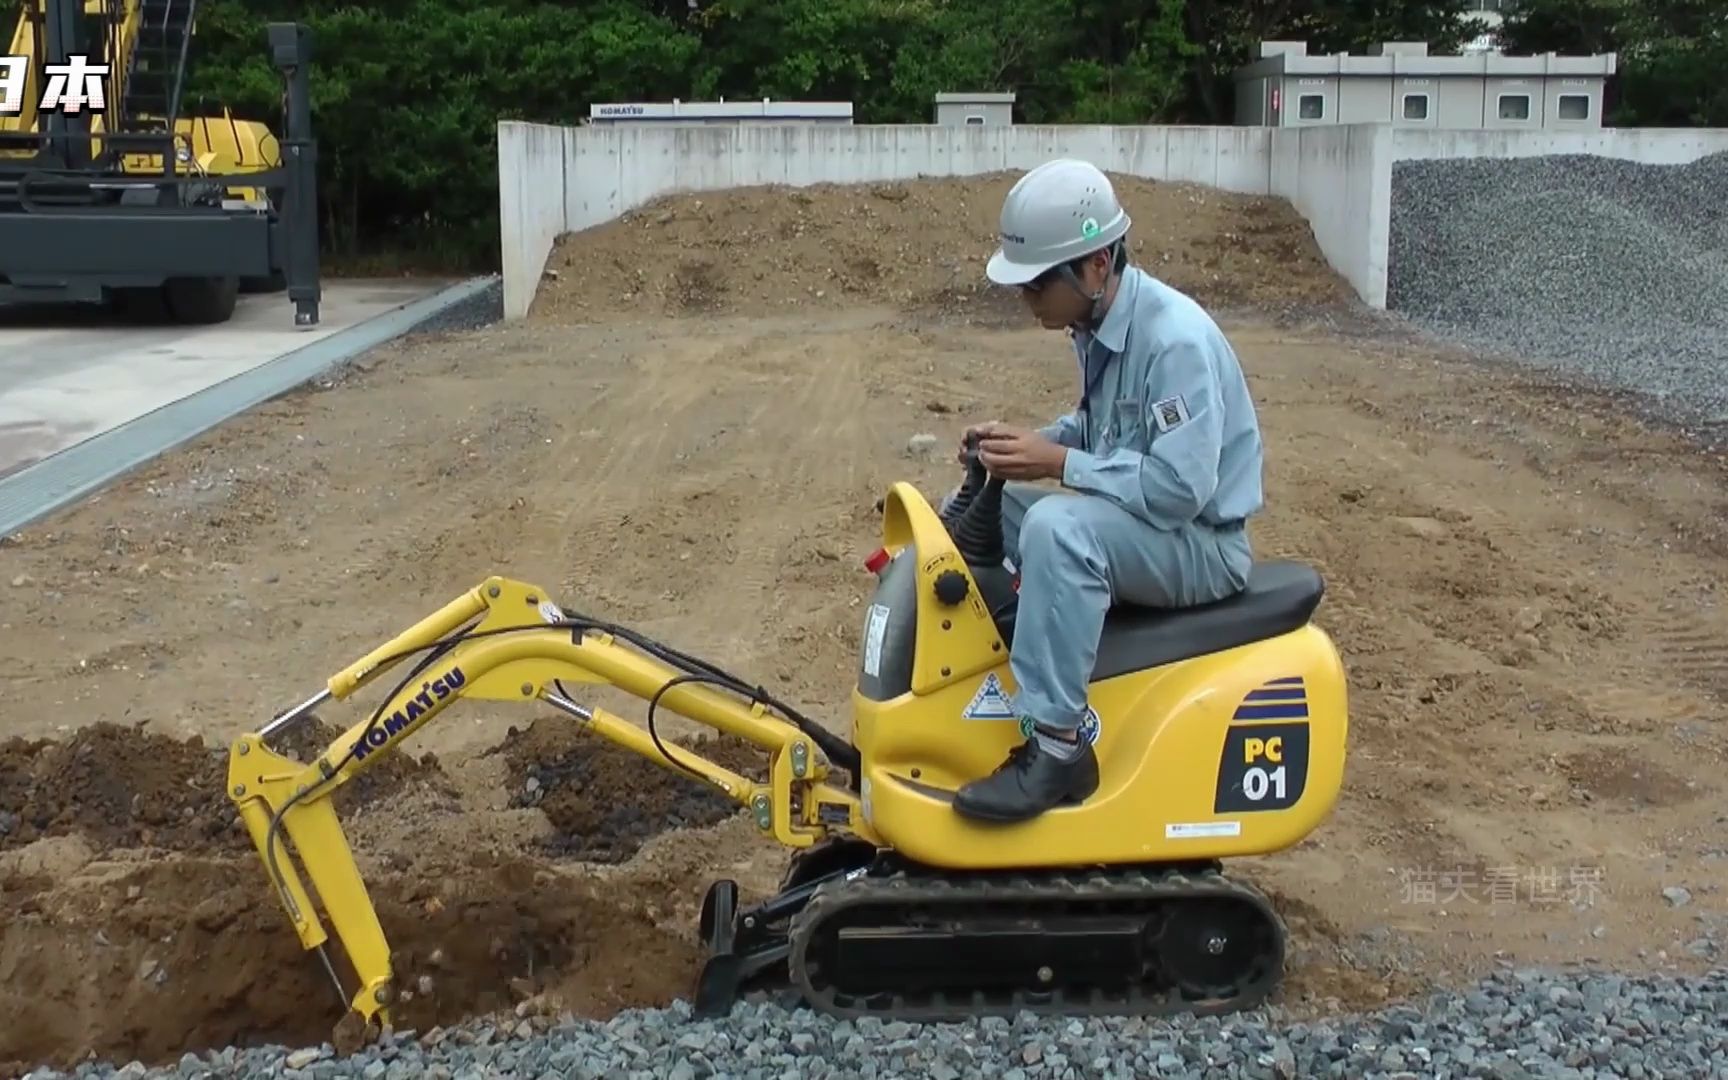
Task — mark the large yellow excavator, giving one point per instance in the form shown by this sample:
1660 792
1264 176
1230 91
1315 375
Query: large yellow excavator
1220 732
129 201
213 147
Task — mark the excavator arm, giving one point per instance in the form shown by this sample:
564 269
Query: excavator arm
504 641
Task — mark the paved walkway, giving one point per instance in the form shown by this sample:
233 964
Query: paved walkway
68 373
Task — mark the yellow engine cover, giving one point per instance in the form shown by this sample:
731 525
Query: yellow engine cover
1235 752
217 147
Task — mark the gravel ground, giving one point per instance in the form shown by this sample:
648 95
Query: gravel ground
1607 271
1518 1024
482 309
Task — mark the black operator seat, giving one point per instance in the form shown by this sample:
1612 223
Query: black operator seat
1281 596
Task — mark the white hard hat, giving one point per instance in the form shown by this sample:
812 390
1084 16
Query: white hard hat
1056 213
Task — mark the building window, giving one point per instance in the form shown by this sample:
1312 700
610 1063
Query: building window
1415 106
1311 107
974 118
1574 107
1514 106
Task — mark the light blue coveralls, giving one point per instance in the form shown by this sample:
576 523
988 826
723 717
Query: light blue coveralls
1163 470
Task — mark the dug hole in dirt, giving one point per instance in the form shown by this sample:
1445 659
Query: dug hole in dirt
136 922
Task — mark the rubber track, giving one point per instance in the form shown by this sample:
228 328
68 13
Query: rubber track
1030 896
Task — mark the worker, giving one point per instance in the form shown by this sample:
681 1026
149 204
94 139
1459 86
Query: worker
1159 467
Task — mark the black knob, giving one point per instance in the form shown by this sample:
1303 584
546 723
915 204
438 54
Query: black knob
951 587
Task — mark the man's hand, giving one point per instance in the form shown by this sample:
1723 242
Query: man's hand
1018 454
976 431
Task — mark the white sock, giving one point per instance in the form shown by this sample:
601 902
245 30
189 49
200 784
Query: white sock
1060 749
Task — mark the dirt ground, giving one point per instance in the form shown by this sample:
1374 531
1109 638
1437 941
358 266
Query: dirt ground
1525 584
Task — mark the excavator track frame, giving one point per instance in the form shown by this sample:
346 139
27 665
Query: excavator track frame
874 936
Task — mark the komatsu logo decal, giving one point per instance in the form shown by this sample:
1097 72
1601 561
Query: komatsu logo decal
433 696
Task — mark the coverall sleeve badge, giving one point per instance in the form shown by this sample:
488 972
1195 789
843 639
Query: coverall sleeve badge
1170 413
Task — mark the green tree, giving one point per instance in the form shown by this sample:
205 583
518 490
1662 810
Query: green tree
406 97
407 93
1672 53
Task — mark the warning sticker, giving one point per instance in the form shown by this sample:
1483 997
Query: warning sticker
874 629
991 702
1091 726
1197 830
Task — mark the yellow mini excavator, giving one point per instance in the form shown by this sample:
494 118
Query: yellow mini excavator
1220 732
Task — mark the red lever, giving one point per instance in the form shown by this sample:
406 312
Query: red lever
877 561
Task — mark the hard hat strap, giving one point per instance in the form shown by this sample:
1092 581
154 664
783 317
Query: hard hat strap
1118 251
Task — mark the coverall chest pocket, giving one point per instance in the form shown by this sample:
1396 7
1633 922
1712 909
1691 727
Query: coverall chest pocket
1127 428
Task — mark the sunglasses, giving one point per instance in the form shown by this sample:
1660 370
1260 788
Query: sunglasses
1042 281
1047 278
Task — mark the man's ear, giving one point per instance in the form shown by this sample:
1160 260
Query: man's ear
1101 263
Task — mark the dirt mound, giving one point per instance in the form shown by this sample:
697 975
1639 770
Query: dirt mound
119 787
603 801
123 787
919 245
386 779
148 961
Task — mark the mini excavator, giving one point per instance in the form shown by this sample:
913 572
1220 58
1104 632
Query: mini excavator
1220 732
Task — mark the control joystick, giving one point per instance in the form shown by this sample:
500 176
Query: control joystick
976 477
974 519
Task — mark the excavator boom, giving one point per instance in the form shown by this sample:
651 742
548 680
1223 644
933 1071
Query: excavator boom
504 641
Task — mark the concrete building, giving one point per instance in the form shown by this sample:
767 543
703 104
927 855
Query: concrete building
693 113
1490 15
1399 83
974 109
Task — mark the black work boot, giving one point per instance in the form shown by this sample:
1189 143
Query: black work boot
1030 782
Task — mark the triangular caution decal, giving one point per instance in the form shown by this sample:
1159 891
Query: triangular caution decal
990 702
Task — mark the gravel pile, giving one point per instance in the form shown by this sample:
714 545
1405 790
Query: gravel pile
1522 1024
1607 271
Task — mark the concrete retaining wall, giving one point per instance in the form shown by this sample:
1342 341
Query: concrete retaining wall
554 180
1340 179
1650 146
